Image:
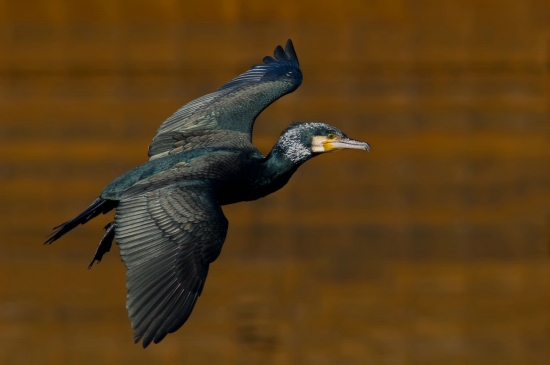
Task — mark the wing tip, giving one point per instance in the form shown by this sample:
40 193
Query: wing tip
291 52
288 54
145 340
284 62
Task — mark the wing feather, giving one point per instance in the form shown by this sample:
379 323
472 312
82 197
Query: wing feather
233 107
167 244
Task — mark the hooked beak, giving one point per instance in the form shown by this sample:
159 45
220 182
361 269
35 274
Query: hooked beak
345 143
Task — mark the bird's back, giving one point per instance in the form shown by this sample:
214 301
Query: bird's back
227 164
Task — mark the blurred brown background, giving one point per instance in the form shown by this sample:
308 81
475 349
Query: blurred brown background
432 249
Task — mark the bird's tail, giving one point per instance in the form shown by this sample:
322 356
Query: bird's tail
99 206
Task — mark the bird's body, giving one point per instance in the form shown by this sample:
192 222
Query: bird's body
169 224
235 174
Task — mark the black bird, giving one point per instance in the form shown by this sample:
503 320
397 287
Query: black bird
169 224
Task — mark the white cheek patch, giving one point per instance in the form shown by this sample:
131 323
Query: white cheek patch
293 148
317 144
297 153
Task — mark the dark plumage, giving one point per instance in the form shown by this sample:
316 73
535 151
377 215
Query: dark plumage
169 224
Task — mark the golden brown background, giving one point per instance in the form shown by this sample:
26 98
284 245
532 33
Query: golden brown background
432 249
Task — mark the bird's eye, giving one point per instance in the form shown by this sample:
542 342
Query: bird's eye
330 136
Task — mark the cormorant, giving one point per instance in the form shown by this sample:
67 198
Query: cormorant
169 224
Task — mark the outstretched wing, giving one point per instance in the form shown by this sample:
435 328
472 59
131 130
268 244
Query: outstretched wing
167 239
232 108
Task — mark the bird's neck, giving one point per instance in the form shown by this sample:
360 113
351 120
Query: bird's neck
277 169
278 162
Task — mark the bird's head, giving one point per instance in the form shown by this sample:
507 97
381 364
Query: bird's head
301 141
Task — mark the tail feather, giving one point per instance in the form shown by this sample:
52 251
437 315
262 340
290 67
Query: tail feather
99 206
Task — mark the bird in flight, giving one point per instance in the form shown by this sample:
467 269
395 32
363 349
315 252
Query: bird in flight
169 224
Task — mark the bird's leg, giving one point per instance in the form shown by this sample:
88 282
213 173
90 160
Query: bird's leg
104 244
